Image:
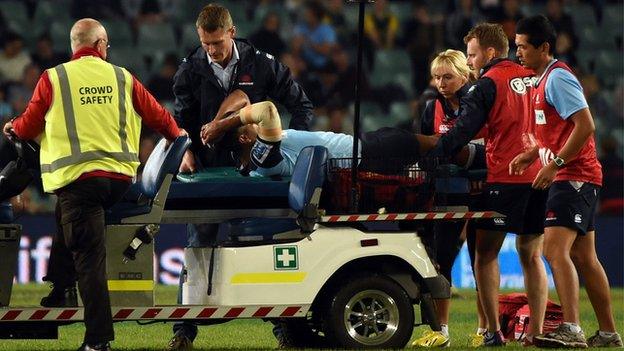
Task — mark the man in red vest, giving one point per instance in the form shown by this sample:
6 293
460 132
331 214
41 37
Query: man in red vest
564 131
499 99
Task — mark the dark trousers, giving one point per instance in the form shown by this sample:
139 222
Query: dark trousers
78 252
186 328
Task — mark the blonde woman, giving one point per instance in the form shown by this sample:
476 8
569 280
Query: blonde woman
452 78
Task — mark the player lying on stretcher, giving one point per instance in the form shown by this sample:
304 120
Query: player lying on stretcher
255 134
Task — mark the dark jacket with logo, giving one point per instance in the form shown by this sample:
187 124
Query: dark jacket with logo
198 93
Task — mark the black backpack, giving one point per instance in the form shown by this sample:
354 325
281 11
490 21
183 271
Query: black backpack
17 174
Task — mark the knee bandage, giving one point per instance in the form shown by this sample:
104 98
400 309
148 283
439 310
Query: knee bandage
266 116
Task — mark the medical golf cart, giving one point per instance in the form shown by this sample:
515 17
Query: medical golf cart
330 279
325 253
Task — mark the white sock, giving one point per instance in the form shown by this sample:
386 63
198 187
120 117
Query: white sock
481 331
575 328
606 334
444 329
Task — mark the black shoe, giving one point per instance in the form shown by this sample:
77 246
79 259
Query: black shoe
61 297
179 342
103 346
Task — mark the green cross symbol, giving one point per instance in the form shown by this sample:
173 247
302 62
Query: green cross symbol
285 257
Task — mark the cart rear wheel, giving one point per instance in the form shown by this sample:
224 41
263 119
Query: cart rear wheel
369 312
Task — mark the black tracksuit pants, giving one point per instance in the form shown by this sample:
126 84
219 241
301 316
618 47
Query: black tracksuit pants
78 252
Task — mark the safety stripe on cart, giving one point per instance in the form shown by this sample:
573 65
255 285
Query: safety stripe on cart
289 312
410 216
156 313
179 313
11 315
262 311
39 315
130 285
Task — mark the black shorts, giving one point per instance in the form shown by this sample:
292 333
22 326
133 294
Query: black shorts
523 206
387 150
571 206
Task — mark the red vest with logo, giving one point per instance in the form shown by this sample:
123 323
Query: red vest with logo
509 118
443 123
552 132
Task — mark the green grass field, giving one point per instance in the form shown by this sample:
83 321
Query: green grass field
252 334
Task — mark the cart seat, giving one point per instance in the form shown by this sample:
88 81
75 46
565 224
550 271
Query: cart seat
163 160
307 179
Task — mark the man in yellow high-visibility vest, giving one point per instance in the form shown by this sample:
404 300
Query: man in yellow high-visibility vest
88 113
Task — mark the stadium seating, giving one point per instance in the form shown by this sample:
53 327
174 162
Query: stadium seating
130 59
403 10
59 32
532 9
119 33
14 11
156 36
47 12
593 38
189 39
392 66
371 117
583 14
609 67
613 17
399 112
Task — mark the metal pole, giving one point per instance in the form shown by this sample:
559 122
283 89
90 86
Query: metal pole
356 116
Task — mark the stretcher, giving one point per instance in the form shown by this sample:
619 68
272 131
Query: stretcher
323 276
219 194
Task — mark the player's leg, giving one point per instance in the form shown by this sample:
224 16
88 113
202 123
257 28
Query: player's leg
487 272
535 281
529 248
596 282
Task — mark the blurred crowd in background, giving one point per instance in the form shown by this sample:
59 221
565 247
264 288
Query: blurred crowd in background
317 41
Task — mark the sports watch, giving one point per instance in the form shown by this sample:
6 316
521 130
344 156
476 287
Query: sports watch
559 161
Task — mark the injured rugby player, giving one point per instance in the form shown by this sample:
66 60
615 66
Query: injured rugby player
260 141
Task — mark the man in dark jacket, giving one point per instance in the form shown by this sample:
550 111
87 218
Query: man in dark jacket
221 65
204 79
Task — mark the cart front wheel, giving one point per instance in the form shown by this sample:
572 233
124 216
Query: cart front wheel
370 312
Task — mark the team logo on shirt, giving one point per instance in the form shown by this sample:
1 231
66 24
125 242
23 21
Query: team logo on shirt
245 79
540 117
519 85
551 216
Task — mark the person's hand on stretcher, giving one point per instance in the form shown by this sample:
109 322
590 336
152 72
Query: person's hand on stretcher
232 103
